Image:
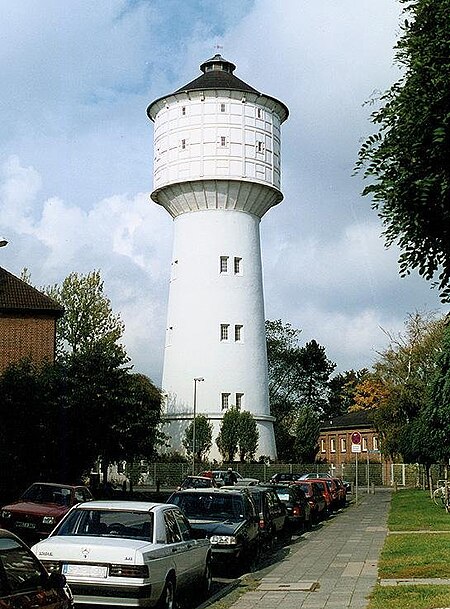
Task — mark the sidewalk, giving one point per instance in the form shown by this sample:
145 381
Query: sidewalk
332 567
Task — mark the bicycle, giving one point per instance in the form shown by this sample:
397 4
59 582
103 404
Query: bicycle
441 496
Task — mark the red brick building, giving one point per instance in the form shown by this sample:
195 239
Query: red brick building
27 322
335 440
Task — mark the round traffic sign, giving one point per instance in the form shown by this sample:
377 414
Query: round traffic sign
356 437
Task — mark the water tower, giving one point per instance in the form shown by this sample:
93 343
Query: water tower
217 172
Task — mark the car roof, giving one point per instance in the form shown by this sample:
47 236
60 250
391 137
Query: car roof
140 506
57 484
208 491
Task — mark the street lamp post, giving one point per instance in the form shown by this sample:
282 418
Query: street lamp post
198 379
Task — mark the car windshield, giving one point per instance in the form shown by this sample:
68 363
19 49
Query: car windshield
46 493
283 494
108 523
208 506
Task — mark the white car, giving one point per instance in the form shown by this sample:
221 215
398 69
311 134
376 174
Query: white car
127 553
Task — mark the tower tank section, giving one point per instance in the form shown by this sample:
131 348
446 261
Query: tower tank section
217 172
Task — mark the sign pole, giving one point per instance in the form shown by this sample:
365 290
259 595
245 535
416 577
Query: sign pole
356 448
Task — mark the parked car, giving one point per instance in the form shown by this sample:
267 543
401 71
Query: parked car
315 498
24 582
40 508
285 477
222 478
272 513
197 482
297 505
342 492
326 491
314 475
229 519
127 552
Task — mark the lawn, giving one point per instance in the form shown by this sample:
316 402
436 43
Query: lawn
418 545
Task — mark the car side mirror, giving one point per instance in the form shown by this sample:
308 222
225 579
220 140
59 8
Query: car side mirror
55 580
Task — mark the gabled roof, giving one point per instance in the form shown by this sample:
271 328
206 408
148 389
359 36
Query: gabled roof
351 420
18 296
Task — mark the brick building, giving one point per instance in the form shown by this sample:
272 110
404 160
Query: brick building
27 322
335 443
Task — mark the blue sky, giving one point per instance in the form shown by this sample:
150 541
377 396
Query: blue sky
76 156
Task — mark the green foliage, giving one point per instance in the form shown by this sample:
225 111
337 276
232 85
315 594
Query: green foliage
298 378
88 319
248 436
203 437
228 439
343 388
407 160
58 419
406 370
306 434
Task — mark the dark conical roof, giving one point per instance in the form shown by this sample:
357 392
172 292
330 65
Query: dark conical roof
217 74
17 295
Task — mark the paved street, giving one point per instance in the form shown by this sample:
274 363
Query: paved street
333 567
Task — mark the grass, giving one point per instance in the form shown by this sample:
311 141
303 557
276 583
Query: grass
418 546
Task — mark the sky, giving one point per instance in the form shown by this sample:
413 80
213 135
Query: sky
76 150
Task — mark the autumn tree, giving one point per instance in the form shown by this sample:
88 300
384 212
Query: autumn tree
406 161
342 392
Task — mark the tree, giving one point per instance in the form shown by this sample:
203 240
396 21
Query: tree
342 392
203 437
88 318
369 393
228 439
248 436
306 434
407 160
298 377
404 374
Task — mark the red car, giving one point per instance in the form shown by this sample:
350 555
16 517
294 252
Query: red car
41 507
315 497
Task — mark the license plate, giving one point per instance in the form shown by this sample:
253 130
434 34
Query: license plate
25 525
90 571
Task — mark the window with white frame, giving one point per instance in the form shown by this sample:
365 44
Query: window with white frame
343 445
237 265
238 333
323 448
224 264
224 331
239 400
225 400
375 444
333 445
364 444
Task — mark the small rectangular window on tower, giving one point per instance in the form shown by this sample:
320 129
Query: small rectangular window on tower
259 146
222 107
237 265
239 400
225 398
224 331
238 333
183 110
183 144
259 112
223 140
224 264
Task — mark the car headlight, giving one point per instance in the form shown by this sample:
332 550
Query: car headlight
223 540
49 520
6 514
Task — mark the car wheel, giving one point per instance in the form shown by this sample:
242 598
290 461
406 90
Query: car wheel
167 600
206 582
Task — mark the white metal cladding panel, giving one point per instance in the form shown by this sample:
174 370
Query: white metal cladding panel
201 299
213 142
